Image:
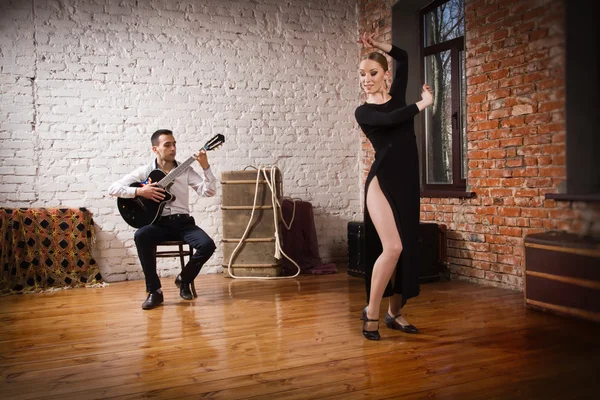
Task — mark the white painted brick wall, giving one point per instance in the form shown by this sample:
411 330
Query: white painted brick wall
85 83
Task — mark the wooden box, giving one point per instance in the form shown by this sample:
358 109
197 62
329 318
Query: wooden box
255 255
562 274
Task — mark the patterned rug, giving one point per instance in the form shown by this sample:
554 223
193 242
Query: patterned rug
46 248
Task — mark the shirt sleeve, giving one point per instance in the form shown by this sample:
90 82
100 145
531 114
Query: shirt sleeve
122 188
204 183
371 117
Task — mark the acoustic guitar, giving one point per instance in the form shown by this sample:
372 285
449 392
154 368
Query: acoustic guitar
140 211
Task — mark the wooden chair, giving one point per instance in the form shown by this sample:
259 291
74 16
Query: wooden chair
180 252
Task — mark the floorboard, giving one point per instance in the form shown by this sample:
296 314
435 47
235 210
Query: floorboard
289 339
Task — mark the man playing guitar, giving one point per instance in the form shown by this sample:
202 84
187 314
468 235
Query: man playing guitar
175 221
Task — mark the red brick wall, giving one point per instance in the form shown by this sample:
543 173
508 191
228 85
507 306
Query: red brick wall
516 133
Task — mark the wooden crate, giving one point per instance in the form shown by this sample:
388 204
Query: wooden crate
255 256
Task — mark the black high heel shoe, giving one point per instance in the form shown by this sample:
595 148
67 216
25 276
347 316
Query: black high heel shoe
371 335
393 324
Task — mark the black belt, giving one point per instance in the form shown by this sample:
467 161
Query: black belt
175 216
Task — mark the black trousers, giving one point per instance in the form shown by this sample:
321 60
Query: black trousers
176 227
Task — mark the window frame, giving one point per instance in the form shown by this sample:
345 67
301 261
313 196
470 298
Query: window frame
582 181
458 186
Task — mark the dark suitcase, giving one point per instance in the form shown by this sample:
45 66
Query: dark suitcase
432 248
432 251
356 251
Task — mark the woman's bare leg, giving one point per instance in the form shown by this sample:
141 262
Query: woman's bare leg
383 219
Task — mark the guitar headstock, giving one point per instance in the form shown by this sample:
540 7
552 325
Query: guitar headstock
214 142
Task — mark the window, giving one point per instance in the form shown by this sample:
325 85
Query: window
444 136
582 104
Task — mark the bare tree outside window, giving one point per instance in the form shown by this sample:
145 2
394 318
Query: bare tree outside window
463 115
442 24
438 119
445 22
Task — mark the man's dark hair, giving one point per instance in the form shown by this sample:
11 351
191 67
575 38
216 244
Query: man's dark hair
157 134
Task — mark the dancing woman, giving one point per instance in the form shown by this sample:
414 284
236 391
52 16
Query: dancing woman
392 189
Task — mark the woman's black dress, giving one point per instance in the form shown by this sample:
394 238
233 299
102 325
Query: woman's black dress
390 129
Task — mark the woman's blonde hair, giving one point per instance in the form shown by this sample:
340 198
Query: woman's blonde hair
379 58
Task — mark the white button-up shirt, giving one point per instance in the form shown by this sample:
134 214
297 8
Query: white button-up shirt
204 184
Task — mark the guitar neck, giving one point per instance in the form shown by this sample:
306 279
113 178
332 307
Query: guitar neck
175 173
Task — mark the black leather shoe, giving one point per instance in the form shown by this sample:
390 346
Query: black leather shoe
393 324
154 300
187 291
371 335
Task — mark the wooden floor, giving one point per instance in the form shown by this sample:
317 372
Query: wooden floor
289 339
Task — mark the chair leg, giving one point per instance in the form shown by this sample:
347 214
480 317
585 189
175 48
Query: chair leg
192 286
181 258
193 289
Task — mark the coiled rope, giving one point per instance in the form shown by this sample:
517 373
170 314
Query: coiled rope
270 179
